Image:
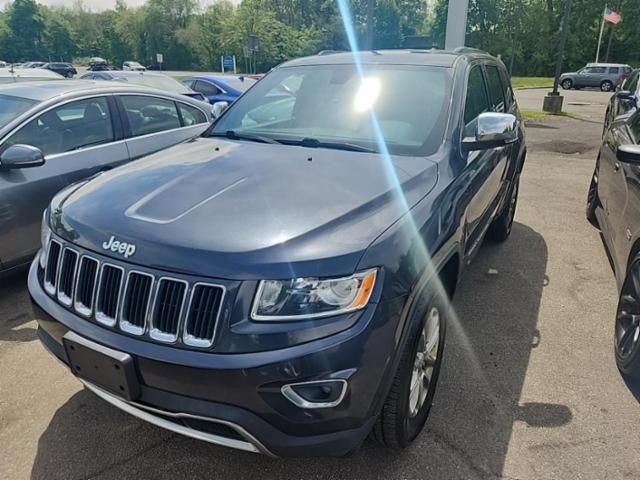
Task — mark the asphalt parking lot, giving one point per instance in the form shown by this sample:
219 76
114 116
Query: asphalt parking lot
529 388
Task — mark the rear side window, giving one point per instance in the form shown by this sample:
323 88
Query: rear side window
191 115
206 88
150 114
476 100
614 70
508 91
496 92
631 84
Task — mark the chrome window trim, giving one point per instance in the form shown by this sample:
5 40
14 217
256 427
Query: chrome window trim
100 316
291 395
124 325
65 300
48 286
159 335
86 310
191 340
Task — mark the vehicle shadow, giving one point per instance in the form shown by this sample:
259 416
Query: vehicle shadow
14 300
467 436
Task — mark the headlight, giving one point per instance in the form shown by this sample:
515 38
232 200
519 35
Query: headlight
45 236
305 298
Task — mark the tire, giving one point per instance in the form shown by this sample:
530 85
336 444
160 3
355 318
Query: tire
606 86
403 415
627 326
593 201
567 84
500 228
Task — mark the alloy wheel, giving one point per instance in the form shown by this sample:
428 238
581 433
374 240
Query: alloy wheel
627 330
425 362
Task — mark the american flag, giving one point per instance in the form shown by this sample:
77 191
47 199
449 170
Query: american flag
612 17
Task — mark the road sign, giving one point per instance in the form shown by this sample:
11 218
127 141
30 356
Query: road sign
227 61
159 58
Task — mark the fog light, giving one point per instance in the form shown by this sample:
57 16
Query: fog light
316 394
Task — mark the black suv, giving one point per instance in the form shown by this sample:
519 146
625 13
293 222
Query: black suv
282 284
65 69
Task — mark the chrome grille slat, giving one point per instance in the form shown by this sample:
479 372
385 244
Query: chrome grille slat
66 274
137 294
202 315
51 270
86 280
163 308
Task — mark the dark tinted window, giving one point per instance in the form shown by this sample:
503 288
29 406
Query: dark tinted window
191 115
496 92
508 91
477 101
614 69
592 70
150 114
631 84
73 126
635 128
206 88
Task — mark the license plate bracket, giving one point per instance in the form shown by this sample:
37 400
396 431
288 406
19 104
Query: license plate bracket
104 367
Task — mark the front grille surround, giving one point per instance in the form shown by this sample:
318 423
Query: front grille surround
84 298
65 281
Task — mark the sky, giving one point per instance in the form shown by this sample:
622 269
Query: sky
98 5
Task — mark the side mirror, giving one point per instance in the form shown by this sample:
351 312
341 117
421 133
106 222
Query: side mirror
625 95
629 154
21 156
218 109
493 130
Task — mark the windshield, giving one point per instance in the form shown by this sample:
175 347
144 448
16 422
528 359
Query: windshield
333 104
241 84
160 82
11 107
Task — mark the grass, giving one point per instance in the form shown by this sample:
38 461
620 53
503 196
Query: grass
532 82
539 114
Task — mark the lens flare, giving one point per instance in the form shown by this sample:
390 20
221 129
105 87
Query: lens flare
367 95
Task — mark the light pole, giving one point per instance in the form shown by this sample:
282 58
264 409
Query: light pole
370 13
456 24
553 101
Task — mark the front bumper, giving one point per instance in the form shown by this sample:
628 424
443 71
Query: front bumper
236 400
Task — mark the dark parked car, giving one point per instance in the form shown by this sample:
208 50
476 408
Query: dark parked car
283 287
56 133
219 88
605 76
147 79
613 205
65 69
98 64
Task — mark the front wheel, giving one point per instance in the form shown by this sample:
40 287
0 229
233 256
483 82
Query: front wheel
627 327
593 200
407 406
500 229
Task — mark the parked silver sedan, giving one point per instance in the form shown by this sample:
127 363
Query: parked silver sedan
55 133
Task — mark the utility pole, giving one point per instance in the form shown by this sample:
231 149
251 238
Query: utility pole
553 101
370 15
456 24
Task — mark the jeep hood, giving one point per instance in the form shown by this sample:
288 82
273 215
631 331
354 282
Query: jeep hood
242 210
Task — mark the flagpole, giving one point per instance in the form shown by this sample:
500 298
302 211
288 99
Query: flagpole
601 32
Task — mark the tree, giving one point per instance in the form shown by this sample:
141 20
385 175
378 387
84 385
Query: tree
27 30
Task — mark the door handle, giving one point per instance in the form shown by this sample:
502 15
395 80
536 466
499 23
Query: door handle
616 167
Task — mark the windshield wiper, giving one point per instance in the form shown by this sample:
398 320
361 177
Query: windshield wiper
314 143
233 135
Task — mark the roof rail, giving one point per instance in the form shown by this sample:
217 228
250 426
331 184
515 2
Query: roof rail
469 50
330 52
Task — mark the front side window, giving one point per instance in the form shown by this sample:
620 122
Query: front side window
496 91
150 114
73 126
191 115
405 107
631 83
476 100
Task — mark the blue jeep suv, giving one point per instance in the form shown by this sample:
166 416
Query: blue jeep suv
282 283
